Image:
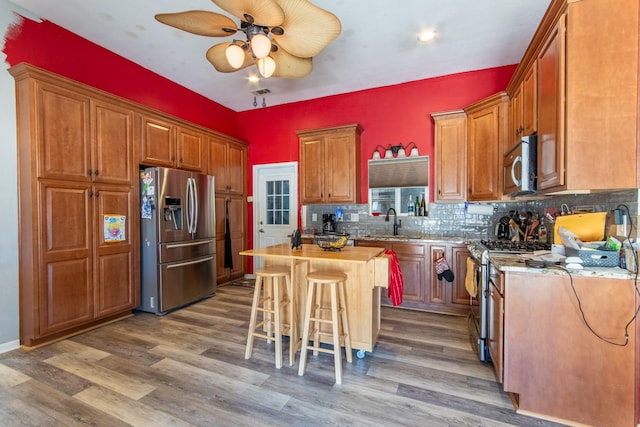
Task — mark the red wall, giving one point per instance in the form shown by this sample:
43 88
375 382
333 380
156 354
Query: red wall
388 115
53 48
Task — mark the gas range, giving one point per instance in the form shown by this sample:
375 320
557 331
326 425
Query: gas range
508 246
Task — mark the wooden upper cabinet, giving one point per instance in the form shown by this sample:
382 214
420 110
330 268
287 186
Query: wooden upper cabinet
63 133
516 127
330 165
530 101
112 129
157 141
227 162
450 156
191 149
486 128
551 150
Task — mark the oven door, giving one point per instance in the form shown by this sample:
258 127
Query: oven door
478 315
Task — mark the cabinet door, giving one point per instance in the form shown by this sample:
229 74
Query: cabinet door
412 261
312 170
218 164
191 146
495 330
530 101
237 221
516 128
451 159
340 164
63 134
483 155
551 151
459 294
236 168
66 279
112 128
115 264
157 142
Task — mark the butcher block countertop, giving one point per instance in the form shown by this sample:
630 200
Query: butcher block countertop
356 254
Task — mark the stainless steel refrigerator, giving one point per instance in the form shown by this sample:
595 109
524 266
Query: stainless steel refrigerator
177 225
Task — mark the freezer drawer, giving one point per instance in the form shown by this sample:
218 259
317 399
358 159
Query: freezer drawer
185 281
174 251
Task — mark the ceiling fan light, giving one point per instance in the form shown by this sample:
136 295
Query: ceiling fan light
260 45
266 66
235 55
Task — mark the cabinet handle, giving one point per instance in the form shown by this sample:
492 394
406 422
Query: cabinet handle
97 194
89 172
97 172
90 193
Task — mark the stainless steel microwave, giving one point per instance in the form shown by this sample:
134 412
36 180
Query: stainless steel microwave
520 167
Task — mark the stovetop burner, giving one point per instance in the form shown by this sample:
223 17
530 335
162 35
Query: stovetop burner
514 247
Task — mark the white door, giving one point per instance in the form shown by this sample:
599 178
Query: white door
275 204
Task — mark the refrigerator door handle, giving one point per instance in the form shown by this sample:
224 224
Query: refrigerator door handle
182 264
194 191
190 209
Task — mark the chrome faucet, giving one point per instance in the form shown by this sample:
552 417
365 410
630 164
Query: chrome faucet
395 221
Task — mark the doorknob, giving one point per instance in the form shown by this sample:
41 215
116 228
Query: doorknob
261 230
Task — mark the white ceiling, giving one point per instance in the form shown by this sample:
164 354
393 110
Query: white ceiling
377 47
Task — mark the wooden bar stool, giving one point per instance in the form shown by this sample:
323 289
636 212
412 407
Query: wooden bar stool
338 319
269 286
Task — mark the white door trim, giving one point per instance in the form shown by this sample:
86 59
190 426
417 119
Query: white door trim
286 167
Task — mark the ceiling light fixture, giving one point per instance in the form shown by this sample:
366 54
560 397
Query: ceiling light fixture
281 36
397 151
426 36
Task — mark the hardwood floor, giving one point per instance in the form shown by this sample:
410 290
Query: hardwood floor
188 368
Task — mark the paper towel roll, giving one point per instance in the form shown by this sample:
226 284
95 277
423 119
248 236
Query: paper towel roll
478 209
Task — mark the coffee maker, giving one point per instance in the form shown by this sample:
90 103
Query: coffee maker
328 223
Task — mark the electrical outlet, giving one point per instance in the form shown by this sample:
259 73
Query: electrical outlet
314 217
355 217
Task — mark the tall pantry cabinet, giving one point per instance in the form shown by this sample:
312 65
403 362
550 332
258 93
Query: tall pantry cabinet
77 205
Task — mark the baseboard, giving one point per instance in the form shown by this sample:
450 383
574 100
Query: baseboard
8 346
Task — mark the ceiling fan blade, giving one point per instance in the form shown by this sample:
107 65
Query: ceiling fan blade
200 22
289 66
216 55
307 28
265 13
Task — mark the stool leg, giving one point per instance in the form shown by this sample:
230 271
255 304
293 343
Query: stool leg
305 331
275 283
337 351
268 305
317 324
252 319
345 322
293 324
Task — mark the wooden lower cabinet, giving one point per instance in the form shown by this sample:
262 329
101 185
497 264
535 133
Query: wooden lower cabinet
555 364
237 222
422 289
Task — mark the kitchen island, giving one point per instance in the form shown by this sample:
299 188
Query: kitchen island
367 272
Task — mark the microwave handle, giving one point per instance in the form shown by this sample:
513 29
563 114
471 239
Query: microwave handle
516 181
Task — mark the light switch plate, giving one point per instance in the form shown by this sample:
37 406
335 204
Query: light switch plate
314 217
355 217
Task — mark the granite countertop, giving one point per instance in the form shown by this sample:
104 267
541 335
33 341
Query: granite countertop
420 238
516 262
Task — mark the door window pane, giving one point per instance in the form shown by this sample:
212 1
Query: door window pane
277 194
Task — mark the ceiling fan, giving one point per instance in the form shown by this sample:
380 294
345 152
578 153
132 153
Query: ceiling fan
298 31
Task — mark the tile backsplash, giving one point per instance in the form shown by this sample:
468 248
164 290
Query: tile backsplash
454 220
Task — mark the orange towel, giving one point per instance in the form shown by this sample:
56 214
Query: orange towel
396 282
470 282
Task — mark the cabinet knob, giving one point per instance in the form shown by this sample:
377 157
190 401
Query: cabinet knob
97 194
89 172
97 172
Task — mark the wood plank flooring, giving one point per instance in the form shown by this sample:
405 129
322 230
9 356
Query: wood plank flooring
188 369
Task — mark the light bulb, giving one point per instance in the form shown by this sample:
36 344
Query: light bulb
235 55
260 45
266 66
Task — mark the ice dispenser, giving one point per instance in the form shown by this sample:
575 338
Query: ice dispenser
173 212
